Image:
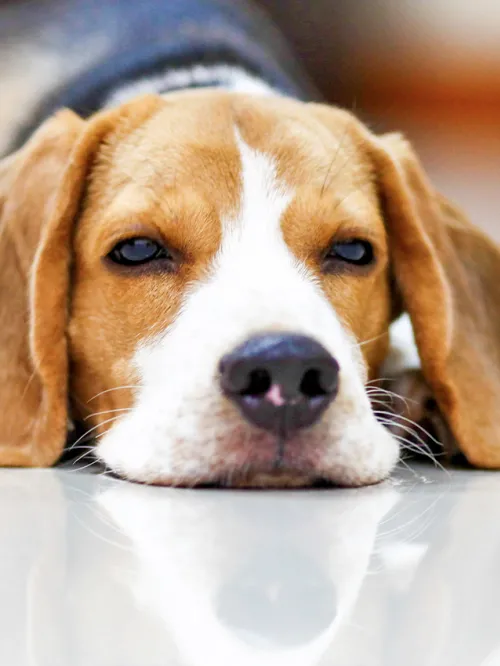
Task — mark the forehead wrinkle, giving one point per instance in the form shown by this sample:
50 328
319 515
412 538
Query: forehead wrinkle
194 136
312 217
127 193
198 204
304 148
188 145
184 218
128 197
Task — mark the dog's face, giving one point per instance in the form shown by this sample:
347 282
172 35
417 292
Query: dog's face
239 205
218 272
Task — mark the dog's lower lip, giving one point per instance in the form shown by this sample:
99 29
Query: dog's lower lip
264 477
278 474
281 479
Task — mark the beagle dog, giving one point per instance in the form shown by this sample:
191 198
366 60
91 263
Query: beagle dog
206 278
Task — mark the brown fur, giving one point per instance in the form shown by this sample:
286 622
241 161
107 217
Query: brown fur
449 276
170 168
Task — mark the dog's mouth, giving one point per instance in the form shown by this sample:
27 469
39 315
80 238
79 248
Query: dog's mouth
269 479
277 464
236 480
273 463
255 477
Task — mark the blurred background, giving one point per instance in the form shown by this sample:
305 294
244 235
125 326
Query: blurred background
430 68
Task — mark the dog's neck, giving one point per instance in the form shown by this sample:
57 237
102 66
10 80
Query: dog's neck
234 78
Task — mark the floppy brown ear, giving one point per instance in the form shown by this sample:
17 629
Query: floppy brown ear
40 192
36 194
448 273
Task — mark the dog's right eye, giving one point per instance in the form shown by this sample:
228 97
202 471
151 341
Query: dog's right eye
138 251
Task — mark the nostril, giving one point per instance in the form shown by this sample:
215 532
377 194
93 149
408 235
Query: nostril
259 383
310 386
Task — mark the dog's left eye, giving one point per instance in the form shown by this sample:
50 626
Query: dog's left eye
356 252
137 251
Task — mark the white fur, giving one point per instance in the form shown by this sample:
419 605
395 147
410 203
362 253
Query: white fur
181 428
228 77
403 354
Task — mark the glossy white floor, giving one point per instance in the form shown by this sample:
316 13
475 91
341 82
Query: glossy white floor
98 572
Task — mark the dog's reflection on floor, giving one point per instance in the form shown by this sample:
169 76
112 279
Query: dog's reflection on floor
98 572
246 578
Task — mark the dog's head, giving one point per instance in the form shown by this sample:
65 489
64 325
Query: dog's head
209 279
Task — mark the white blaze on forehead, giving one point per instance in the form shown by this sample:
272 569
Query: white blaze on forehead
263 201
255 285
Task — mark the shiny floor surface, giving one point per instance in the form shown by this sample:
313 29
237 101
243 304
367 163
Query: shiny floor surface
99 572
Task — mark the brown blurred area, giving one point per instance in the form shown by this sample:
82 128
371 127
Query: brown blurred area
430 68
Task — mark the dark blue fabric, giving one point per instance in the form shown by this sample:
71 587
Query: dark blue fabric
143 37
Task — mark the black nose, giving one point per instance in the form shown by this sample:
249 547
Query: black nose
280 382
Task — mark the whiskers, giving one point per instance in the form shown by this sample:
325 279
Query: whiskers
84 445
106 411
414 439
383 396
89 435
370 340
116 388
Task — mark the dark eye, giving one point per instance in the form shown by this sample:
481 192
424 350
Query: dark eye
356 252
137 251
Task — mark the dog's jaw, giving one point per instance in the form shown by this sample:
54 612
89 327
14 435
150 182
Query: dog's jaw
181 430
